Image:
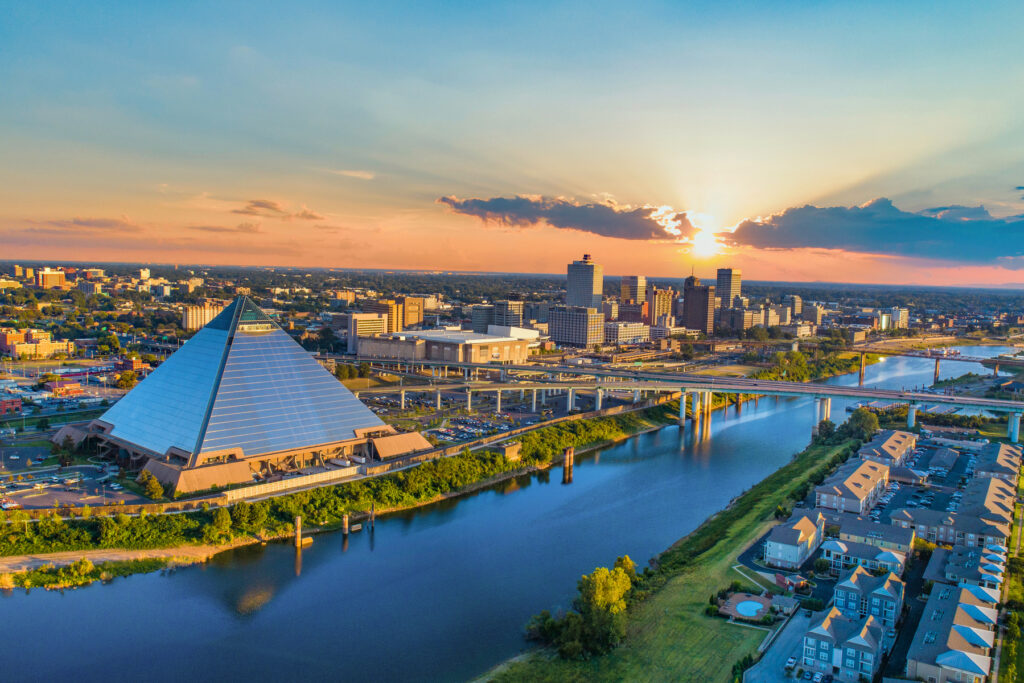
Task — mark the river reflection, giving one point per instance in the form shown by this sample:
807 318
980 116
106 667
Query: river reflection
436 594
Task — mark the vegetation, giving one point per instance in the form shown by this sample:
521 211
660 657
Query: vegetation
78 573
796 366
667 636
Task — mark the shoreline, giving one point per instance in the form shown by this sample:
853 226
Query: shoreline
194 554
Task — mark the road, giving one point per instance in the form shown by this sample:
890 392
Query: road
772 666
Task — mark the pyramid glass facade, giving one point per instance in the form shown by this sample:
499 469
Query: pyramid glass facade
240 382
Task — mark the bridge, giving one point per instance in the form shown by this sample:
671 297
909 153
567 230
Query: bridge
696 389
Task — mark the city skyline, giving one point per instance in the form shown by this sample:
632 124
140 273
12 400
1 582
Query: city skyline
352 138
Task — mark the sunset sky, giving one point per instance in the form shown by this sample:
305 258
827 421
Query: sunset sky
855 142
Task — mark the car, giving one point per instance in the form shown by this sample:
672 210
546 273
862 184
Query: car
818 677
791 662
807 676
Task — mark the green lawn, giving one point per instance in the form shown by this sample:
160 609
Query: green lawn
668 637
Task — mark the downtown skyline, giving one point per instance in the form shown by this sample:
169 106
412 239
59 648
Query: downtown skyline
824 143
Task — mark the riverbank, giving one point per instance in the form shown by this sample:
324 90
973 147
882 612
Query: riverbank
668 637
543 450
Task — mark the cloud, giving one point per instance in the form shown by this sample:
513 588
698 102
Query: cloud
241 228
268 208
352 173
601 218
945 233
122 224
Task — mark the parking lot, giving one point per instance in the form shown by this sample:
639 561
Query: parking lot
78 486
789 643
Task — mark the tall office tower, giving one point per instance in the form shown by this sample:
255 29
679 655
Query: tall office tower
576 325
197 317
698 305
610 309
508 313
728 285
481 317
389 307
585 284
633 288
795 302
813 313
537 310
659 303
412 309
143 273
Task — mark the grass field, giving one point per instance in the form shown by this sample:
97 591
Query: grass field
668 637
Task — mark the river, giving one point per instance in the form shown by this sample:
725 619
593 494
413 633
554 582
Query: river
440 593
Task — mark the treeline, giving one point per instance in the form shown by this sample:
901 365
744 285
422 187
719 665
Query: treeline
796 366
324 506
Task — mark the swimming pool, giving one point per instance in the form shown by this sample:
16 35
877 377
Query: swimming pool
749 608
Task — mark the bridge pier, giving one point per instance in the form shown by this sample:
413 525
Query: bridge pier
995 370
826 405
438 399
682 409
696 411
533 402
567 465
817 417
497 397
863 362
469 401
936 371
598 399
570 400
636 396
911 416
1013 428
707 406
401 395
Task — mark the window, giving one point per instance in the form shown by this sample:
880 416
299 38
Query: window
851 664
823 656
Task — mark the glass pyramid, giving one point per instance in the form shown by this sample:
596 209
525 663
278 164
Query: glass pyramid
240 382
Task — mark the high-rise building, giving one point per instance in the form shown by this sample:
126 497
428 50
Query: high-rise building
900 318
196 317
576 325
47 278
636 312
143 273
784 314
698 305
633 288
389 307
364 325
89 287
813 313
412 309
584 283
795 302
481 317
610 308
537 310
728 286
659 303
626 333
508 313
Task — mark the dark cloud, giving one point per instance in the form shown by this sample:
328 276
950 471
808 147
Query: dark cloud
948 233
608 219
244 228
122 224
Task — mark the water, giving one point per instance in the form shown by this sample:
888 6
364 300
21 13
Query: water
437 594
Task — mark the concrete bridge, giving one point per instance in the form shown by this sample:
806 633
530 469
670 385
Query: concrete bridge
698 389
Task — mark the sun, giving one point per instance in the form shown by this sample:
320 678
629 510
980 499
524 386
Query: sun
704 242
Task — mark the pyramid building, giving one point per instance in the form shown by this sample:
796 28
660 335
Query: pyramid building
241 400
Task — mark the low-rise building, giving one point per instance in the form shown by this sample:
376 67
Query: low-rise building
32 344
999 461
884 536
791 543
844 555
360 325
889 447
849 649
457 346
955 637
859 593
962 565
854 487
626 333
951 528
10 406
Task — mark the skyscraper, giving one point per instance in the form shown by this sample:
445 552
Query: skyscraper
728 285
659 303
576 326
585 284
391 308
698 305
633 288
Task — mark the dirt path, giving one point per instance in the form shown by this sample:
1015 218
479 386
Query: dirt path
186 553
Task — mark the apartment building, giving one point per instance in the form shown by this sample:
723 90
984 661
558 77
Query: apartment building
849 649
791 543
889 447
859 593
854 487
955 637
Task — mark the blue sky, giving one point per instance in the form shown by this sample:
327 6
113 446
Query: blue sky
170 117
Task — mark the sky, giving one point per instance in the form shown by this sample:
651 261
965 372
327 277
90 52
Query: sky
799 141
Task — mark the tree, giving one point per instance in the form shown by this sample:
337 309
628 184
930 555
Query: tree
127 379
821 565
863 424
826 428
364 369
150 486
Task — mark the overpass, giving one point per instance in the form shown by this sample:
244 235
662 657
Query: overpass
697 388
